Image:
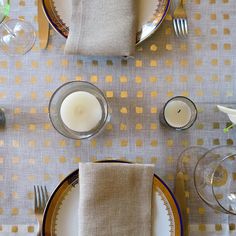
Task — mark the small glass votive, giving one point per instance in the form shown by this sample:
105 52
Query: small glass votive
78 110
179 113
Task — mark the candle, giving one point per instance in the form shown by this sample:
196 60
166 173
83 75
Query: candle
178 113
81 111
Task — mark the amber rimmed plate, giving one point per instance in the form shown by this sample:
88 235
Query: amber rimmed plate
61 214
151 15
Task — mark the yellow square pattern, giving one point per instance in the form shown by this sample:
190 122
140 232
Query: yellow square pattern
201 67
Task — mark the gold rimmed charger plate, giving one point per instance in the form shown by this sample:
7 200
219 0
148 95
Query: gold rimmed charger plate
151 15
61 218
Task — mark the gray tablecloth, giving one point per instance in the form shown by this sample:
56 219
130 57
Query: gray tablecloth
201 67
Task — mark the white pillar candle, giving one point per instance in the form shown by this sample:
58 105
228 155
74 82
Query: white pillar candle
81 111
177 114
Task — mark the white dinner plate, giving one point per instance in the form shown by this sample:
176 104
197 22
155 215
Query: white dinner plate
151 15
61 213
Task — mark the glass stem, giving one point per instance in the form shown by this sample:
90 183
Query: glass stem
9 30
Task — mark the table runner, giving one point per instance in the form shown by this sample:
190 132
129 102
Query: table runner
201 67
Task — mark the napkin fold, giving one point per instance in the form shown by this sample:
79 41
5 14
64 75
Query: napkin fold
102 27
115 199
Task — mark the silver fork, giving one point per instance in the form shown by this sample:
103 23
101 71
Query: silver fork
180 21
40 201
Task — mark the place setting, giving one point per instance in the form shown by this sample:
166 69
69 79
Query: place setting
144 147
60 218
79 110
149 14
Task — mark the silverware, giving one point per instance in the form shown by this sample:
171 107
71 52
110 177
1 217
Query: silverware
2 119
40 201
180 21
181 199
43 26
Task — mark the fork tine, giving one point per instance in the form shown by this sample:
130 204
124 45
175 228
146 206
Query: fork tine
46 193
179 27
182 27
35 198
43 197
186 27
175 28
39 197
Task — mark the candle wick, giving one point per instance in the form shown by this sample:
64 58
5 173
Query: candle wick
179 111
79 111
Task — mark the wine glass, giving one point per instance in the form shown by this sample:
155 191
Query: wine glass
17 37
215 178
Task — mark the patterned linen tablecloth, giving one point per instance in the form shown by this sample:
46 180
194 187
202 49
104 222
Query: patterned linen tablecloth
202 67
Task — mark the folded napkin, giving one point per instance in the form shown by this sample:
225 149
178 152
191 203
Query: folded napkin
102 27
115 199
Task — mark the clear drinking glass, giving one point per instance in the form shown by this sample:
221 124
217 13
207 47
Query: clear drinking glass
215 178
64 91
17 37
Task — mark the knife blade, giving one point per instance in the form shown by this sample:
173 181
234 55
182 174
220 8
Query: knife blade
181 199
43 26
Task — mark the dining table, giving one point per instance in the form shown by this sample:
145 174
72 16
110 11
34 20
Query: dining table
201 67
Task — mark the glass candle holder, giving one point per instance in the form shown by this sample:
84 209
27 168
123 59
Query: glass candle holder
78 110
179 113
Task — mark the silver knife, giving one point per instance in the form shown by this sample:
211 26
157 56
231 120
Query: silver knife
43 26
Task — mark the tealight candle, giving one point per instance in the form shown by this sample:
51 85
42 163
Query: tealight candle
78 110
81 111
179 113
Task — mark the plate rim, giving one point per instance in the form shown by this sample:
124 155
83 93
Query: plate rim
159 19
165 189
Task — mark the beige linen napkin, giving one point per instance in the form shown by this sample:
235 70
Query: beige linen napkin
115 199
102 27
